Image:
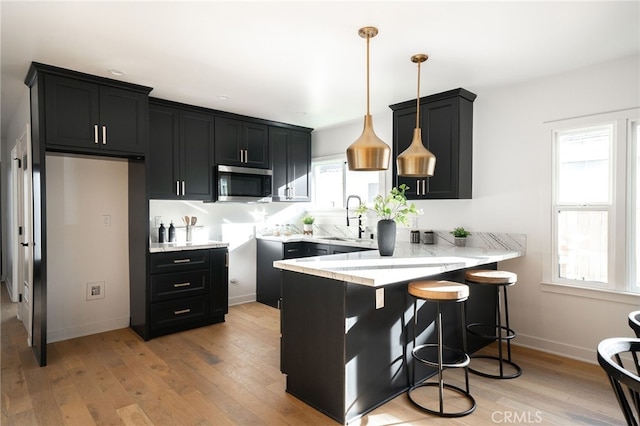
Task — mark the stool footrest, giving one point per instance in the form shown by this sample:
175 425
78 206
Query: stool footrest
518 370
473 329
460 357
439 412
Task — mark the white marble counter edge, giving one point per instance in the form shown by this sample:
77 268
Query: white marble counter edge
390 270
167 247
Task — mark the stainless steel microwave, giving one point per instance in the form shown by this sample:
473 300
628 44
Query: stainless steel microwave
244 184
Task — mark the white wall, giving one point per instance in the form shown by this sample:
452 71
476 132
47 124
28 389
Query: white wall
81 248
511 193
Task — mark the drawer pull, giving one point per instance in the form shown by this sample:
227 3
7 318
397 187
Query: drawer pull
181 260
182 311
182 285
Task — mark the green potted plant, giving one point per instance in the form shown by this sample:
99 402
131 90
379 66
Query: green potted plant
390 209
460 236
307 225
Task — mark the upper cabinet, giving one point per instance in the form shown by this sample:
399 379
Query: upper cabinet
88 117
180 159
291 159
241 143
446 120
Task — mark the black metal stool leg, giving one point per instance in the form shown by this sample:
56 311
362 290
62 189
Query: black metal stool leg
506 319
499 331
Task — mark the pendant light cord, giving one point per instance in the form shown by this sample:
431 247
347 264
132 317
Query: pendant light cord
368 38
418 100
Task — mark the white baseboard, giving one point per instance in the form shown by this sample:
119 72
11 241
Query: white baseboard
557 348
86 329
239 300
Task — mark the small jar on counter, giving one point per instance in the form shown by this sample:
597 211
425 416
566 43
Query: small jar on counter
429 237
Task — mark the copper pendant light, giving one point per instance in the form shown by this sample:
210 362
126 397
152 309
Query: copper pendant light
417 161
368 152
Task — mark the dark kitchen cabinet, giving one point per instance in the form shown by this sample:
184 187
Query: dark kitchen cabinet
291 160
180 158
186 289
446 120
269 279
86 117
241 143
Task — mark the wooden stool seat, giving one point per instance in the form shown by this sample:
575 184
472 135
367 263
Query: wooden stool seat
488 276
439 290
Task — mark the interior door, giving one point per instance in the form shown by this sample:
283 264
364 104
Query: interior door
25 237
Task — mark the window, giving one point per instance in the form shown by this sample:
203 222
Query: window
596 242
333 182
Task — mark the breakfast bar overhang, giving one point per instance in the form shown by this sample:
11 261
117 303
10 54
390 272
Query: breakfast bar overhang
347 321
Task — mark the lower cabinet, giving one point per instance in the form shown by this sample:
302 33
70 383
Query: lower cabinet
269 279
186 289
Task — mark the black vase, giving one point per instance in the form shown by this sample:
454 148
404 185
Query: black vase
386 237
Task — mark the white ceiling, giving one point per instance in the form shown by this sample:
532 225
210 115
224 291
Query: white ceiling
303 62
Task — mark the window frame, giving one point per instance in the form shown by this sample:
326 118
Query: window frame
334 159
621 217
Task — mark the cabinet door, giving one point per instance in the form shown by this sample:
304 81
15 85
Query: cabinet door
219 282
314 249
123 120
72 112
299 165
163 156
278 145
441 138
196 155
228 141
268 278
291 164
256 145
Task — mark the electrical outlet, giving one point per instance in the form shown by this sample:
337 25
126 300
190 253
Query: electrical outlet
158 221
95 290
106 219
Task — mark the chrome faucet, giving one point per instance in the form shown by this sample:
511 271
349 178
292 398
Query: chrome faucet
359 217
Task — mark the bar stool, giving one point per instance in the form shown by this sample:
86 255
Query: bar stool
440 292
497 332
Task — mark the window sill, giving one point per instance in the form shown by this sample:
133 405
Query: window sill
592 293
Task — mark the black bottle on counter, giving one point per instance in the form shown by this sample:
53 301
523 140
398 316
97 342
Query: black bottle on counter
161 233
172 233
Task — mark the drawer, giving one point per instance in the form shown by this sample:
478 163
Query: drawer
178 312
179 284
176 261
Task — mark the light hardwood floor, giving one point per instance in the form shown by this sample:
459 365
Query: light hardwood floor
228 374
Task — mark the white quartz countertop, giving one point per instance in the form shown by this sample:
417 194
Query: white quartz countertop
409 261
181 246
344 241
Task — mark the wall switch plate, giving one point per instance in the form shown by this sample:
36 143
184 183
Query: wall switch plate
379 298
95 290
106 219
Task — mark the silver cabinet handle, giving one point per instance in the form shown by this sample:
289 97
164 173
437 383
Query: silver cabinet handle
178 188
424 190
182 285
242 155
183 188
246 155
417 186
104 135
95 133
181 260
182 311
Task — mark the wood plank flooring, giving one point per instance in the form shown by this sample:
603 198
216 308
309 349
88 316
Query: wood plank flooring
228 374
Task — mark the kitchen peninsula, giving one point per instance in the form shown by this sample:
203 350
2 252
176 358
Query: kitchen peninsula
347 319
